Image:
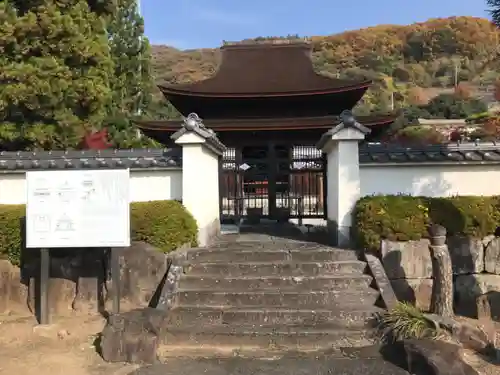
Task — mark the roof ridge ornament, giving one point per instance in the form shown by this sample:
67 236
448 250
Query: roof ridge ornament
347 122
347 118
192 121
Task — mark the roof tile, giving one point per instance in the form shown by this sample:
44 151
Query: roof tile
90 159
451 153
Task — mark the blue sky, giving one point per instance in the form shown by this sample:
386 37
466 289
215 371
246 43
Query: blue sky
189 24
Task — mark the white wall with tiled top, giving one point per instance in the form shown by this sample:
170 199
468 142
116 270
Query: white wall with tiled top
430 180
145 185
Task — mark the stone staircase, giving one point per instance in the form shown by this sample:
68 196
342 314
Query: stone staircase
278 295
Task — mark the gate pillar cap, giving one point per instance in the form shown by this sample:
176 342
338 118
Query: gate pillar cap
193 131
348 130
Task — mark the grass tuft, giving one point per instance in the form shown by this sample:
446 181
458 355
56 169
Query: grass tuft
405 321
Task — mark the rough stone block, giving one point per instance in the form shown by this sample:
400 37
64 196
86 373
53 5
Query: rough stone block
383 283
467 255
410 259
133 336
416 291
142 268
432 357
469 287
78 276
492 256
476 284
13 294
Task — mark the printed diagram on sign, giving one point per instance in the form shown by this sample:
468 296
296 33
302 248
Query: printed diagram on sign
42 191
65 224
41 223
65 192
89 189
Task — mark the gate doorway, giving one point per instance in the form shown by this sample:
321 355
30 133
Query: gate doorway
272 181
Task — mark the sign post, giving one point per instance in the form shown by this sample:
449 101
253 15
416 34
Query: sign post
44 286
84 208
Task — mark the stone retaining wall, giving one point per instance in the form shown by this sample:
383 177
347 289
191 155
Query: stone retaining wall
80 280
476 269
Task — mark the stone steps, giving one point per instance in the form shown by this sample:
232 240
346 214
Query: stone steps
283 283
282 337
270 296
270 268
208 315
291 299
266 255
168 352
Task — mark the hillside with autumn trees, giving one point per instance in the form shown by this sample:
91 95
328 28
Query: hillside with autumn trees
102 71
409 65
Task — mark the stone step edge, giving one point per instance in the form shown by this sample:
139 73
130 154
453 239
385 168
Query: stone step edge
239 250
168 351
275 263
346 306
337 276
281 330
264 310
352 291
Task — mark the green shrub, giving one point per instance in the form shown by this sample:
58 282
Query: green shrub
163 224
11 232
405 321
404 218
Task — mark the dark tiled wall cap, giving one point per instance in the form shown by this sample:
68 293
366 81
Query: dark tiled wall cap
134 159
459 153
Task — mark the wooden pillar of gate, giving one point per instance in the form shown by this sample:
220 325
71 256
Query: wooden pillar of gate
320 191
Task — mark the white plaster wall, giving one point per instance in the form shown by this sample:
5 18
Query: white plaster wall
343 182
201 188
430 180
145 185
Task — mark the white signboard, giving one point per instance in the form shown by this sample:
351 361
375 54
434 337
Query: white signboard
84 208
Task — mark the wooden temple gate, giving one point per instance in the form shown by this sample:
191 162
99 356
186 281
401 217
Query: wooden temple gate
269 106
278 182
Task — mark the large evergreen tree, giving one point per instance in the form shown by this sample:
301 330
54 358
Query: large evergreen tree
132 83
494 8
55 76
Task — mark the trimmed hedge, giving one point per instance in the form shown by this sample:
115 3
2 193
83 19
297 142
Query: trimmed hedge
163 224
404 218
11 232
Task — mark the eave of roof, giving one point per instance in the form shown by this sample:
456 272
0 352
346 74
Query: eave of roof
180 91
266 124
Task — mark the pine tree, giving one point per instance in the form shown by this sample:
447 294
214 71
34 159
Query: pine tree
494 9
55 76
132 83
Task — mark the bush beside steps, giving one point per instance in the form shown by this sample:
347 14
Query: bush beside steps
405 218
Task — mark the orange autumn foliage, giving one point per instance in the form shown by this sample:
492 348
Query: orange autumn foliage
463 90
491 128
418 96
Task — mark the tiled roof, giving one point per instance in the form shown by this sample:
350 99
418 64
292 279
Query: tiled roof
484 153
266 69
90 159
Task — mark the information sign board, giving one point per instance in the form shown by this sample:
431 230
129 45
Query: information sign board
80 208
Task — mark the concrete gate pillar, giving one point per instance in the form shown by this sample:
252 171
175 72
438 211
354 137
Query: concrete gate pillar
343 180
201 151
